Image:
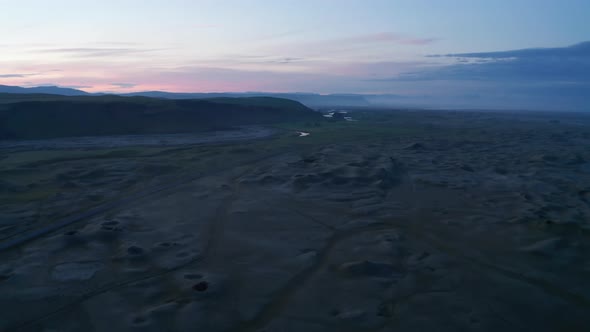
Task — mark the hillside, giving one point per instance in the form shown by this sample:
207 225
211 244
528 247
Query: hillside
313 100
46 116
42 90
308 99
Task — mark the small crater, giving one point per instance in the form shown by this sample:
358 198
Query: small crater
201 286
135 250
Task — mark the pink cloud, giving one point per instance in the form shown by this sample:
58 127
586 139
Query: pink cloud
388 37
269 73
418 41
352 47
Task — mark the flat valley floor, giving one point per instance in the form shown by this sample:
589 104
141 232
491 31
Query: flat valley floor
400 221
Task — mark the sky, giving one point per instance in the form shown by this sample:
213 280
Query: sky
455 52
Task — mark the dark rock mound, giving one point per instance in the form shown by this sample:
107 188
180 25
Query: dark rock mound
201 286
135 251
415 146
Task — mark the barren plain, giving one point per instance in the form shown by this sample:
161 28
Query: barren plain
400 221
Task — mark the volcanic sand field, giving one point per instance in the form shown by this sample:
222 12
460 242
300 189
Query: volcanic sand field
401 221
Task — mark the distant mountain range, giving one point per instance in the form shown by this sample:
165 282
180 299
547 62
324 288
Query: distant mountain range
308 99
436 100
53 90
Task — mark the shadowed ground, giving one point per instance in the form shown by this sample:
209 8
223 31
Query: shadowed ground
405 221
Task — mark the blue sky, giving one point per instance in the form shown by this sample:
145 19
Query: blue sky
329 46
